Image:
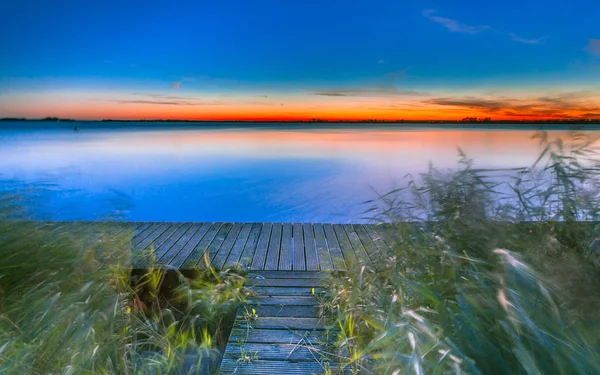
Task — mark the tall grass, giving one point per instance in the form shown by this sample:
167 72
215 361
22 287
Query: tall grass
70 304
486 275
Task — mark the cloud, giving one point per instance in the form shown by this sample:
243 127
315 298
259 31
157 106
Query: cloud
373 91
454 25
162 99
543 106
176 85
519 39
594 47
380 61
162 96
154 102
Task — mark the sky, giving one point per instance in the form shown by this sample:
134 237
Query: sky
297 60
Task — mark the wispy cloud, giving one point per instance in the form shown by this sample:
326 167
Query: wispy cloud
458 27
376 91
550 105
380 61
163 99
519 39
163 96
593 47
454 25
176 85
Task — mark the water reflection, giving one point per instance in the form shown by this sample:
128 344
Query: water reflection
241 174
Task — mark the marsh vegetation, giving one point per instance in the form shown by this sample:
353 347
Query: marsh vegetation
483 285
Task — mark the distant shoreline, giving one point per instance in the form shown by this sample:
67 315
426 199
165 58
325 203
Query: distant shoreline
326 122
78 125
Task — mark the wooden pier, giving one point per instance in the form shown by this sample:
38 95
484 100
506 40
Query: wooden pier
280 331
258 246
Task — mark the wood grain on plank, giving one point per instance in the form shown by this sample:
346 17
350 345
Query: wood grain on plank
282 336
219 260
237 249
260 255
285 257
299 259
250 246
274 352
357 244
334 248
310 249
197 252
179 245
286 282
280 323
287 311
272 261
188 247
322 248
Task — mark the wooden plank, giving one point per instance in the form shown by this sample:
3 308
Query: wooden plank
312 259
174 253
163 244
219 260
368 243
147 236
167 246
215 244
268 322
345 245
272 336
188 247
382 247
299 259
259 367
197 253
250 246
334 248
287 291
285 255
287 274
142 250
274 352
386 233
140 229
272 261
258 263
288 311
322 248
286 282
236 252
283 300
359 248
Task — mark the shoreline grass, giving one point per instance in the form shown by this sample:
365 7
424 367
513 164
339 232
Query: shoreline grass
486 286
69 303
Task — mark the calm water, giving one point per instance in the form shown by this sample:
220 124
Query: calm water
243 173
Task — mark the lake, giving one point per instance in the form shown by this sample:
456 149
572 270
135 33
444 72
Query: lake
237 172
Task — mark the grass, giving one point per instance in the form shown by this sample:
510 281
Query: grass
69 303
484 276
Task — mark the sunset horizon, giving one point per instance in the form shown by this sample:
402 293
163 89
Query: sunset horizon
383 61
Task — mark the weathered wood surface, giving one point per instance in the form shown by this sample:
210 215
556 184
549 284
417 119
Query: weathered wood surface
256 246
280 330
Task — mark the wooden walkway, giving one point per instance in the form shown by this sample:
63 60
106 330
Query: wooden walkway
257 246
280 331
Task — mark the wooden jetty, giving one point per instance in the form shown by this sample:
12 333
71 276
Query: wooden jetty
257 246
280 331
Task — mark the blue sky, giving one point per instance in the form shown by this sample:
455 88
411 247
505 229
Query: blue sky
298 49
